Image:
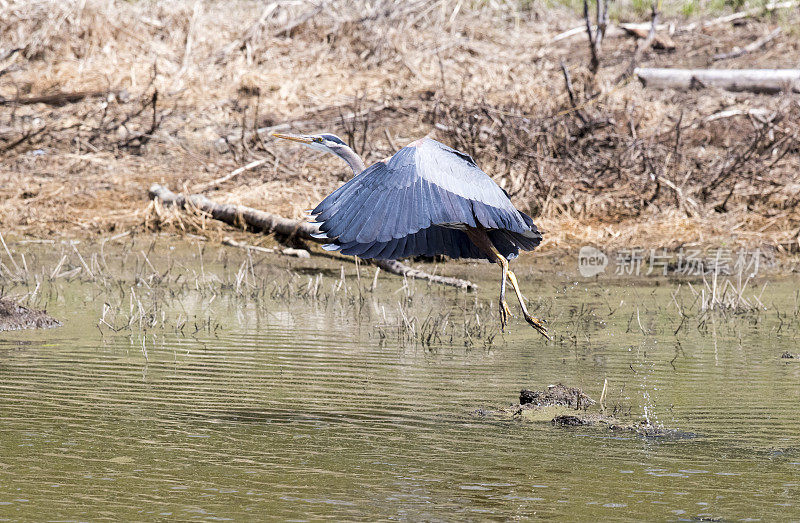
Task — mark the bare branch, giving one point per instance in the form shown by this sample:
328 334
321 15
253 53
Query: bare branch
594 65
749 48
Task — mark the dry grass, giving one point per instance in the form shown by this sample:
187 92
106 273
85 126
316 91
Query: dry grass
181 86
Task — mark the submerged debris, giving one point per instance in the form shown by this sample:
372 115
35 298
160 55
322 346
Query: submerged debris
16 317
599 420
790 356
571 421
564 406
556 395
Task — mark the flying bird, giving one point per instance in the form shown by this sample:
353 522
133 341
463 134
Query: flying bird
425 200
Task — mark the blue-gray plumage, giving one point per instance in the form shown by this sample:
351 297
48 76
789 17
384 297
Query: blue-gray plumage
427 199
419 202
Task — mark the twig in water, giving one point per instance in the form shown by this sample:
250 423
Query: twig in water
19 271
288 251
375 279
603 395
83 262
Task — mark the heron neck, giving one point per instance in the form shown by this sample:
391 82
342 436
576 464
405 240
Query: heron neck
353 160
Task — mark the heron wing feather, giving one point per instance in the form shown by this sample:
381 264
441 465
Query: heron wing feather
418 195
396 250
427 242
338 214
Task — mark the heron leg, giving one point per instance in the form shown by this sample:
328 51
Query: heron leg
481 239
484 243
534 322
505 312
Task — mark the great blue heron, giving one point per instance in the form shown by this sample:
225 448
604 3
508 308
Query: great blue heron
427 199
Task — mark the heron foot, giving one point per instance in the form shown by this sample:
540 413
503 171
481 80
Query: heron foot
537 324
505 313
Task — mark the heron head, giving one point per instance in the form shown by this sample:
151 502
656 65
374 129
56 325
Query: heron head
329 143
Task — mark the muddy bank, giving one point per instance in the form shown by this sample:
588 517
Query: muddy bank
564 406
605 162
555 395
16 317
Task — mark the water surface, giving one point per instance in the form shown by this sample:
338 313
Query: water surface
239 393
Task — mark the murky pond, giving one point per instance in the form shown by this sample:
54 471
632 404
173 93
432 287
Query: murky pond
201 383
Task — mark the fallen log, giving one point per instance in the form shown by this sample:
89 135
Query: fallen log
260 221
766 81
237 215
60 98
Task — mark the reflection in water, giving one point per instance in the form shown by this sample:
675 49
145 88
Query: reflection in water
256 405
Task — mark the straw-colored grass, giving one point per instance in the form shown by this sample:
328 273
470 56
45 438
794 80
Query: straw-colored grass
480 75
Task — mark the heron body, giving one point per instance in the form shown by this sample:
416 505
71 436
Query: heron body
427 199
422 201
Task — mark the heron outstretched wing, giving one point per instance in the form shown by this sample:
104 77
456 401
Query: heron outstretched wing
414 203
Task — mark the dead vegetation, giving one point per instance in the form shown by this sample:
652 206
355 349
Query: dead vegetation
100 100
17 317
141 286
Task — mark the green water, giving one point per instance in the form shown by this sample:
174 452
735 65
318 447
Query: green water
232 396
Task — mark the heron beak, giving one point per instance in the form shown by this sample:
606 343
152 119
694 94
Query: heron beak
293 137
